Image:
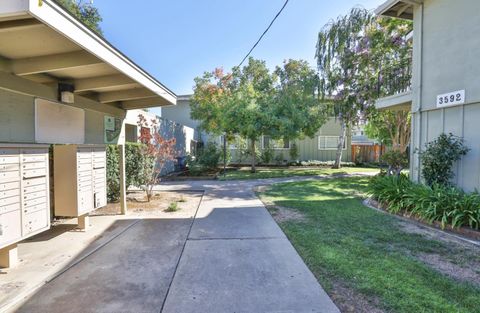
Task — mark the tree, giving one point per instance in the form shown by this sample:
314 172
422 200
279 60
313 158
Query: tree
235 103
85 11
391 53
156 148
252 101
356 54
392 128
297 106
338 47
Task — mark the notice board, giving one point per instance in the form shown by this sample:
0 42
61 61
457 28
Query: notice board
58 123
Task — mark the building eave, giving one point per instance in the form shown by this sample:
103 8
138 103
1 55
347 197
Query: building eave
398 8
126 76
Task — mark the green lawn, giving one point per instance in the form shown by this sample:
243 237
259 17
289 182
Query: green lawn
275 172
344 242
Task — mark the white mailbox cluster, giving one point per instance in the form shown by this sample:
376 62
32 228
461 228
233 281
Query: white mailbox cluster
80 179
24 192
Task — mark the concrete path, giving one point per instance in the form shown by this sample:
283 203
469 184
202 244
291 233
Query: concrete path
232 257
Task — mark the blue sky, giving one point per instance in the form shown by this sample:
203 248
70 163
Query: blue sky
177 40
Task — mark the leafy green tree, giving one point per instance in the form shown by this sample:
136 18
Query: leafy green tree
297 107
252 101
85 11
360 58
236 103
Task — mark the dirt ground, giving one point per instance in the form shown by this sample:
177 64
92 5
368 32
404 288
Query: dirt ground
463 261
137 204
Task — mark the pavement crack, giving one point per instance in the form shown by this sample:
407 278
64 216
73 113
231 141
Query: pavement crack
246 238
181 254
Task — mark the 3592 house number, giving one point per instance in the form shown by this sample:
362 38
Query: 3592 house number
451 98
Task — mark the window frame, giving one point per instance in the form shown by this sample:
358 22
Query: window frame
329 149
230 146
275 148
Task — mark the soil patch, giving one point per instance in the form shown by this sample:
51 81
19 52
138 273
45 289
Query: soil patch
465 272
280 214
137 204
350 301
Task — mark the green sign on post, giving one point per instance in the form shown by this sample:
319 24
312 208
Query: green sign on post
113 127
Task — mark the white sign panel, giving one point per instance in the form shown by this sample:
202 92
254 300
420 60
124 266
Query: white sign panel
451 98
58 123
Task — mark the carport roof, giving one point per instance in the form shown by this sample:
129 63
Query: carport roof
42 42
398 8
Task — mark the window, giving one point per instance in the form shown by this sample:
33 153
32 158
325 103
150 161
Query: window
231 144
275 144
131 133
330 143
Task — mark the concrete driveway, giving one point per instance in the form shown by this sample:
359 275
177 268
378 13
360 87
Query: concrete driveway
232 257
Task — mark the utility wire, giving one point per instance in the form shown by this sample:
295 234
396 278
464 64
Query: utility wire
264 33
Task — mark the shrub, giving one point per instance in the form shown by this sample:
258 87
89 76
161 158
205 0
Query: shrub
294 152
396 162
279 158
113 174
444 204
172 207
391 190
209 156
196 169
138 165
438 158
207 159
267 155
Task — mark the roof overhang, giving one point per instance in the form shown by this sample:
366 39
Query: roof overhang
397 102
398 8
42 42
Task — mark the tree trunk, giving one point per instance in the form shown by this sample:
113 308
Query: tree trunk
341 142
253 155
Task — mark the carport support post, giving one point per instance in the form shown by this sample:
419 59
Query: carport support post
123 188
9 256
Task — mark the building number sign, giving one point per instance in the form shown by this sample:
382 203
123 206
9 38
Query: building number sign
451 98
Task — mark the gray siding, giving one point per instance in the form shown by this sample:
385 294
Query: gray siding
17 120
180 113
308 147
17 117
446 60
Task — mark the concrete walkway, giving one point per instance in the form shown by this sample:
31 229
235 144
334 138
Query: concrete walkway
232 257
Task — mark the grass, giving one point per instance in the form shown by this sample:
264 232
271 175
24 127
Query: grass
343 241
277 172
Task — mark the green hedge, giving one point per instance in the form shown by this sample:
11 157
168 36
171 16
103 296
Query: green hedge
137 168
445 204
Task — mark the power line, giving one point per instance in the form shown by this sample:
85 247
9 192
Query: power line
264 33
